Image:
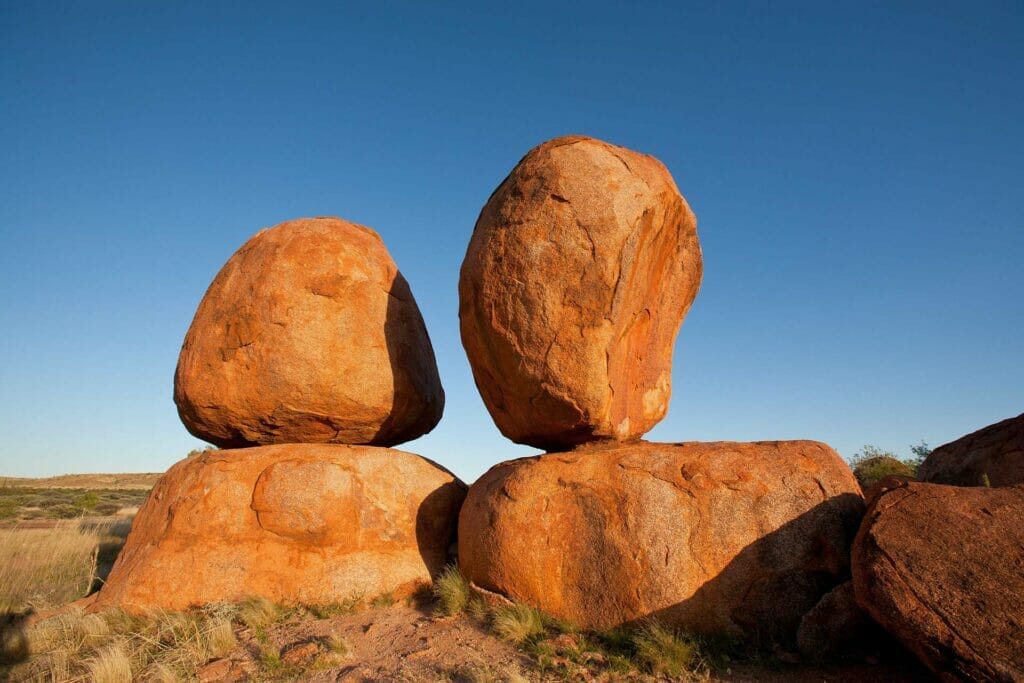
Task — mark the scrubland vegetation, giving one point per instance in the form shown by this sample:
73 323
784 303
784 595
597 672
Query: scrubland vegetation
871 464
23 503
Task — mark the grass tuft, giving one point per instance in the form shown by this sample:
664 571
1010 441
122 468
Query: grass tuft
517 623
452 591
258 613
110 665
664 652
383 600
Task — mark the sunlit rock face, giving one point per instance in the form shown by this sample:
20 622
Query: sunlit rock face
580 270
308 334
296 523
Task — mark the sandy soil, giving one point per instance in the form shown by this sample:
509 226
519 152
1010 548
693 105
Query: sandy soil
403 643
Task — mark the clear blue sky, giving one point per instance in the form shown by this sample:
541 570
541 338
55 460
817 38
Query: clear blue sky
857 170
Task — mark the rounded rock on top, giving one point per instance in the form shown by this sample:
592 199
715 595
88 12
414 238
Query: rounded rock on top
309 333
581 267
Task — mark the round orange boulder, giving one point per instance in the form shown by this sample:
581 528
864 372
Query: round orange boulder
295 523
309 333
579 272
733 539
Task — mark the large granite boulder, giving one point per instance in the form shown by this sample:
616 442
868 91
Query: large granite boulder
993 454
735 539
942 569
581 267
297 523
308 334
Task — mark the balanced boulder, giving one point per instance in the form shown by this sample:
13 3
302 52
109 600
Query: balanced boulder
309 334
580 270
993 456
736 539
942 569
296 523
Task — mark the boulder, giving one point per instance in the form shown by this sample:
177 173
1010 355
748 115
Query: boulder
942 569
581 267
993 454
733 539
308 334
296 523
837 628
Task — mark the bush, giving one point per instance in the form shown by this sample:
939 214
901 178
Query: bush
872 464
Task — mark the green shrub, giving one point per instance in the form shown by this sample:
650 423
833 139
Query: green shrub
872 464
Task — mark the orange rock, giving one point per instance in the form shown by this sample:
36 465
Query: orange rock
738 539
994 454
296 523
942 569
308 334
579 272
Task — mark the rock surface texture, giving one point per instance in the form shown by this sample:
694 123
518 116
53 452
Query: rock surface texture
837 628
740 539
942 569
293 523
580 270
995 452
308 334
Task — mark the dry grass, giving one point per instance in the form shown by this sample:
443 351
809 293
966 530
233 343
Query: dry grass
665 652
45 568
113 646
452 592
517 623
257 613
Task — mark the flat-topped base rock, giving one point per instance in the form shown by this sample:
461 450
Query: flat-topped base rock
295 523
737 539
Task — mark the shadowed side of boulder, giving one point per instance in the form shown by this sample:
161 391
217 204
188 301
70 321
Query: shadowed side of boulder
297 523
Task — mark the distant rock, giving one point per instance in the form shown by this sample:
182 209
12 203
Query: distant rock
297 523
942 569
308 334
994 454
580 270
736 539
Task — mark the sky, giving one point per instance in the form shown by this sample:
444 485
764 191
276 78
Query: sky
857 171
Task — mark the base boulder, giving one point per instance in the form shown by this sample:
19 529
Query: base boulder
295 523
737 539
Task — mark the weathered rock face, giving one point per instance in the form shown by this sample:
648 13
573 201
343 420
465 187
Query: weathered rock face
942 569
837 628
740 539
308 334
305 523
995 452
579 272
